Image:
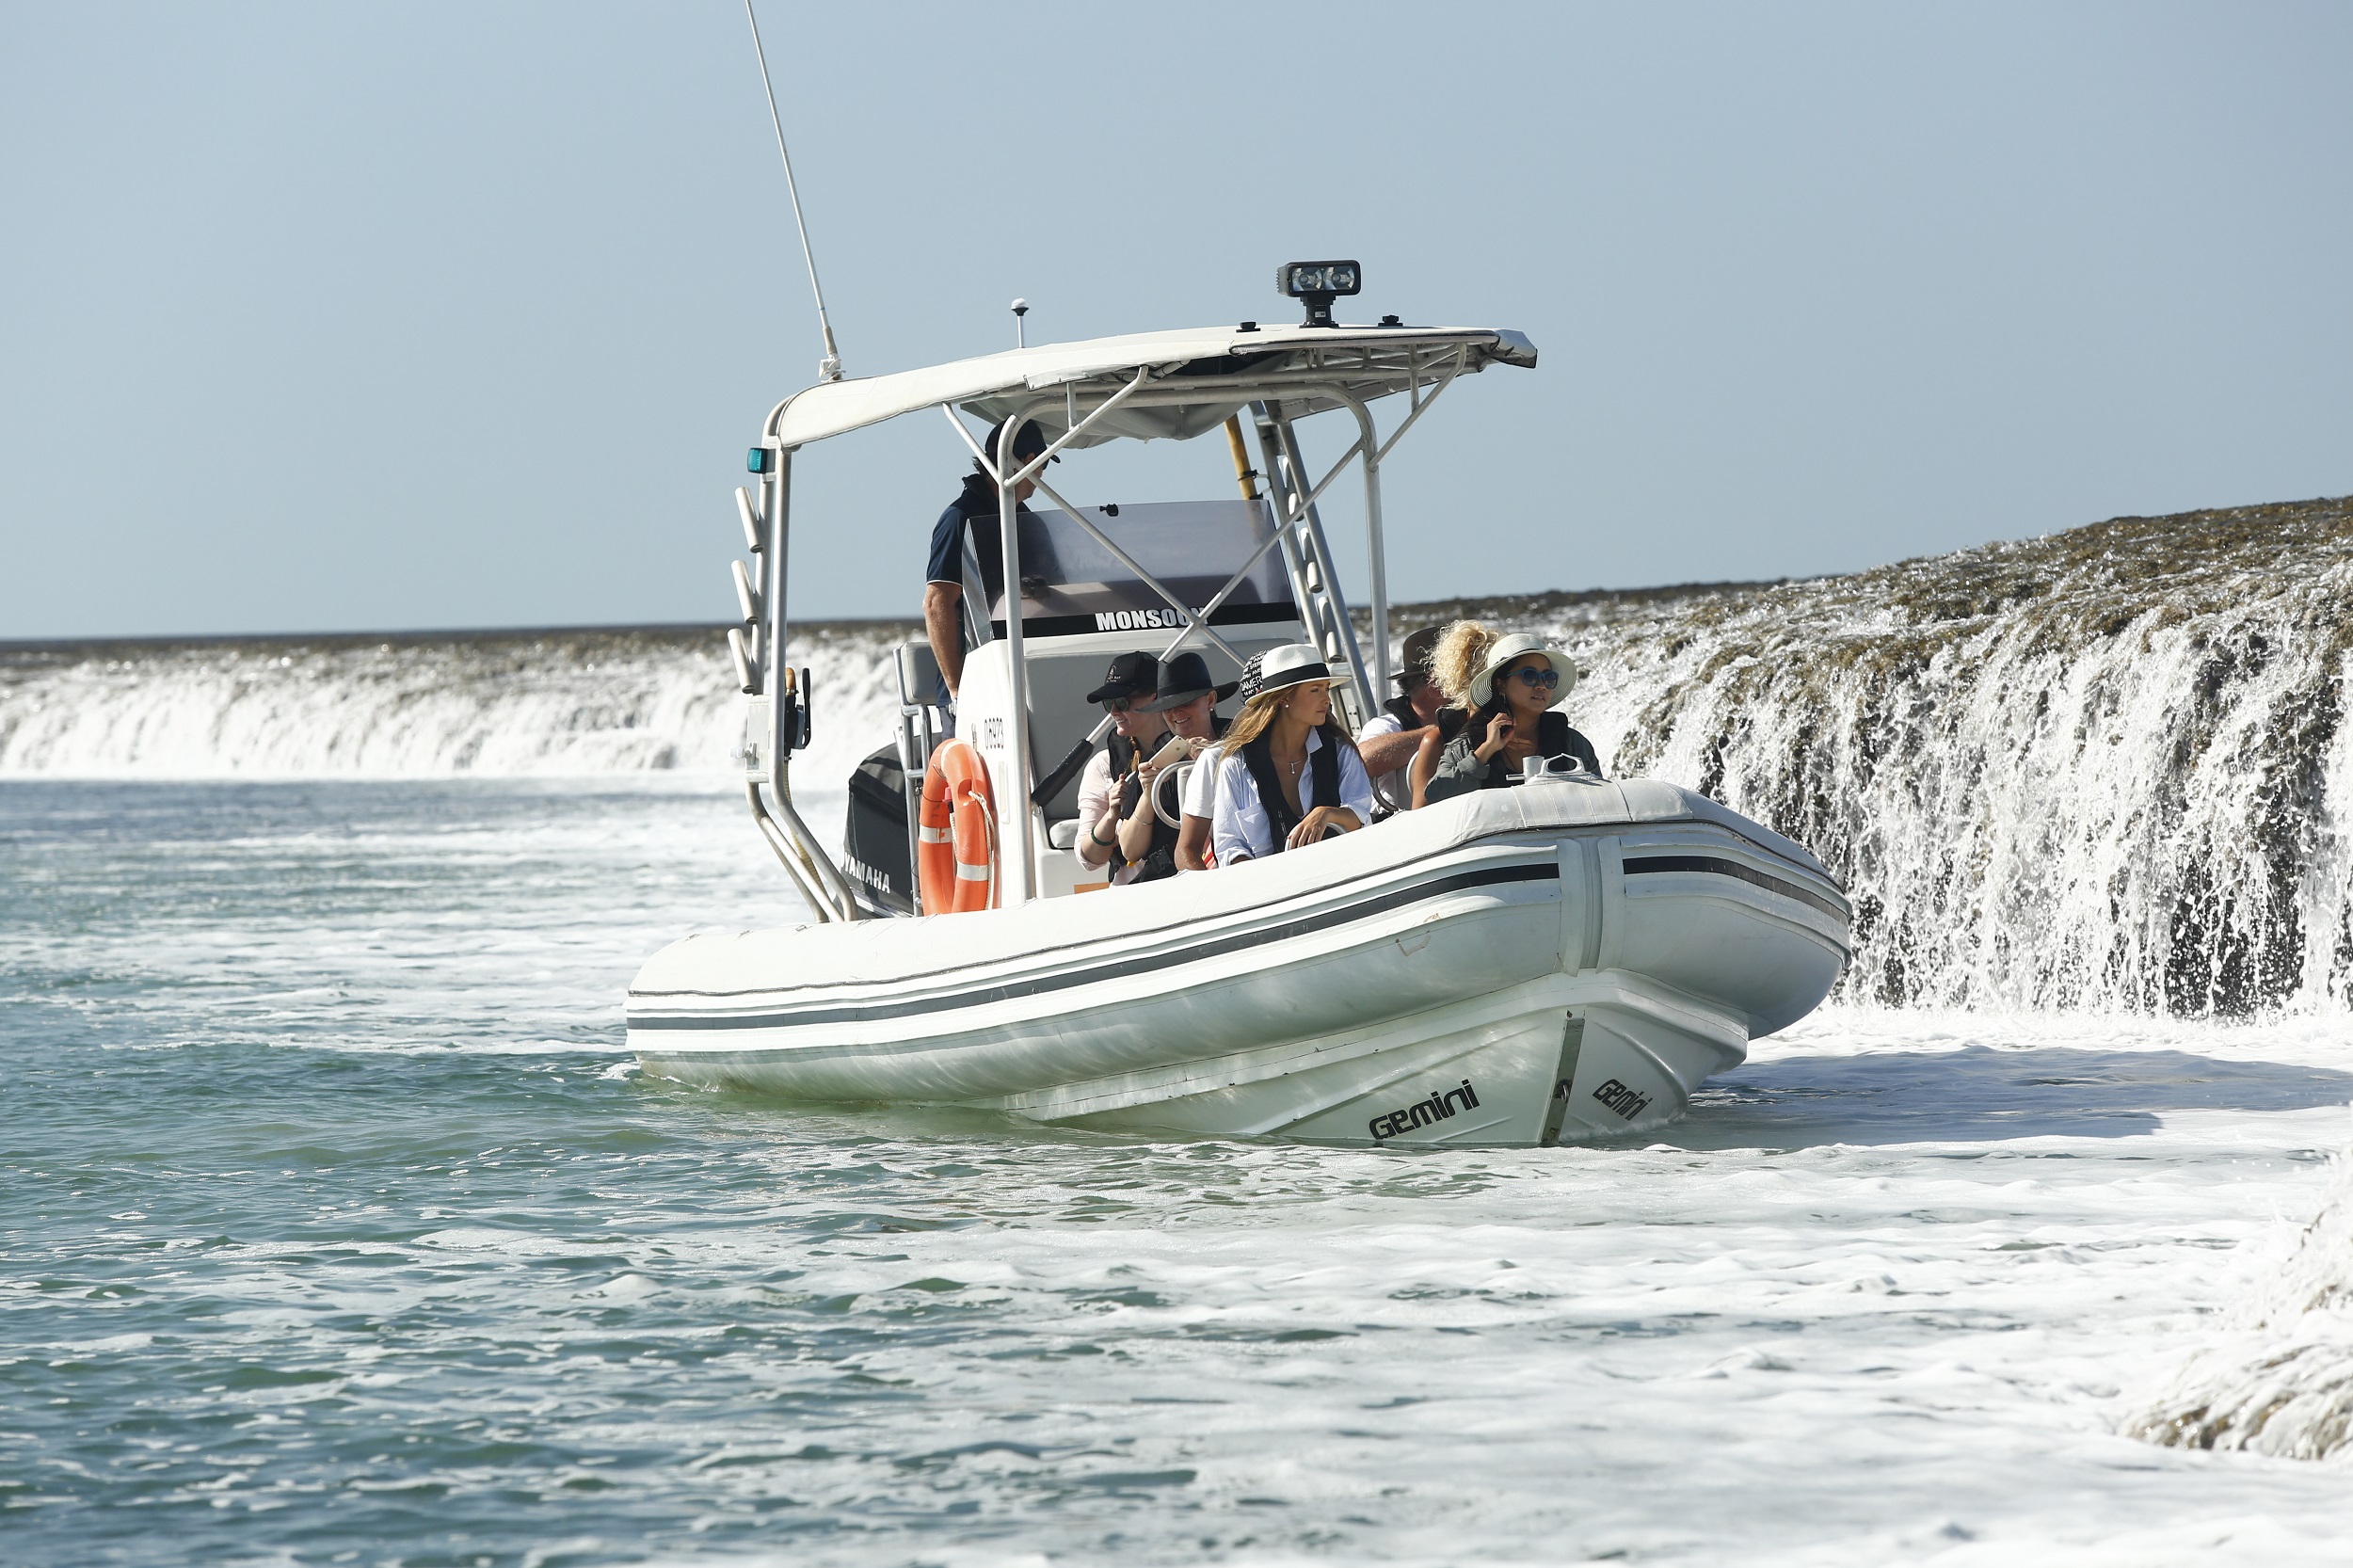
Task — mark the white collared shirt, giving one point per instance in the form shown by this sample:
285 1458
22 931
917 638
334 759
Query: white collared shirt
1240 829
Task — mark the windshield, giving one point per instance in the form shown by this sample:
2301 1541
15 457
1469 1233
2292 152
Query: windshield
1070 584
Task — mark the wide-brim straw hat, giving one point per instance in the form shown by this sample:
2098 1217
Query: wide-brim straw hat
1519 645
1279 670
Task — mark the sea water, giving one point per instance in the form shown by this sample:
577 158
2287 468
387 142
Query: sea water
339 1227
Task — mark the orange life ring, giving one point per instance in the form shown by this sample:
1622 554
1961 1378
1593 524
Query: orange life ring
956 845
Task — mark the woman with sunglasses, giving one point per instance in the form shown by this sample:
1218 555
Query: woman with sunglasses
1507 687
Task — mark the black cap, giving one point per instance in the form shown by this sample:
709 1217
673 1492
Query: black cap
1132 676
1027 443
1184 677
1420 647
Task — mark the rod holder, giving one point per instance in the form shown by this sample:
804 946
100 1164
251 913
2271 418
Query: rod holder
747 596
746 669
755 536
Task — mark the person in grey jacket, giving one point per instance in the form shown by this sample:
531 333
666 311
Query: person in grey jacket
1507 686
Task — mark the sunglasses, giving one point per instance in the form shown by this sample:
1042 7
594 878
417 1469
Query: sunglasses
1547 678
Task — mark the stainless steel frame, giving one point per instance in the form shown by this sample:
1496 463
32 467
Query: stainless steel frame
1298 530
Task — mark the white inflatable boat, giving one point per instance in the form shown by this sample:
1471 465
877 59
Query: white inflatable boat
1560 960
1567 958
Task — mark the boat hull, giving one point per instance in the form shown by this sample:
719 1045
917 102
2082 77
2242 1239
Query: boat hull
1556 962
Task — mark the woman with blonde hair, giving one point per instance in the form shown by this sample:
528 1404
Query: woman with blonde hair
1289 773
1506 686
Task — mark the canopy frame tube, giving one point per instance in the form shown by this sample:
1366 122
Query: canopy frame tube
1286 467
819 881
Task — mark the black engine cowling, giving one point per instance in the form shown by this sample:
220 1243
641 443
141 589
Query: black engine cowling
877 833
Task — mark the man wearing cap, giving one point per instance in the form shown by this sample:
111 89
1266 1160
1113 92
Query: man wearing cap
1126 694
967 540
1394 735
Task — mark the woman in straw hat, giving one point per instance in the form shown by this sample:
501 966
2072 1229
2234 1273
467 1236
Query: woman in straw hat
1506 686
1289 773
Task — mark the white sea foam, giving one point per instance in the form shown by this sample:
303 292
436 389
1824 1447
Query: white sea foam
1880 1299
2277 1376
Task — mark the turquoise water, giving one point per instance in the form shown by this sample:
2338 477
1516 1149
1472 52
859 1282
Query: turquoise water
337 1228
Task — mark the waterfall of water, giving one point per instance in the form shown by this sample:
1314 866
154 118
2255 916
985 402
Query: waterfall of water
584 703
2105 769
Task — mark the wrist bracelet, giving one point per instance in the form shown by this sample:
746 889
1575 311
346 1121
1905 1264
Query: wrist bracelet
1100 842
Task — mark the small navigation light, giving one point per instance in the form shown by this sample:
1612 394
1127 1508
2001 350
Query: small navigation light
1316 285
760 460
1020 307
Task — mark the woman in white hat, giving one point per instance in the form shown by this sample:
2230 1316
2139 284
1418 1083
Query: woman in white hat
1289 773
1507 687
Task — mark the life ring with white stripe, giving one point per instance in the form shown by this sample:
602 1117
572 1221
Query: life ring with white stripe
956 840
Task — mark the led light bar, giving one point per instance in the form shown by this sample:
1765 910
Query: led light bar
1316 285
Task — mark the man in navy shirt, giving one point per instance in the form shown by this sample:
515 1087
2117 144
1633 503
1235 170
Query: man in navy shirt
974 513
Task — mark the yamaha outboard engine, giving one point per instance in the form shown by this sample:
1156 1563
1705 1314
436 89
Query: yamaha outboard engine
877 834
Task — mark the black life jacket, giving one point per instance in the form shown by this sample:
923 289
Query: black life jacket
1324 763
1159 858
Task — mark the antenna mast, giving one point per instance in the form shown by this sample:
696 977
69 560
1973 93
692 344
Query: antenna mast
829 369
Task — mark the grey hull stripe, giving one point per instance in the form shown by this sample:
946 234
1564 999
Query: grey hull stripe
1714 866
1488 876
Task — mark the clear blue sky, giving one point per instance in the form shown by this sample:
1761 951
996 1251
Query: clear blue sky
408 315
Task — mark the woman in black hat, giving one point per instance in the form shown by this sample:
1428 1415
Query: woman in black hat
1188 701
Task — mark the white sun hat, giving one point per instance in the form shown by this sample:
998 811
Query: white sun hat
1280 669
1519 645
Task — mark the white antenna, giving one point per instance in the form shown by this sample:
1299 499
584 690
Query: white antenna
1020 307
830 367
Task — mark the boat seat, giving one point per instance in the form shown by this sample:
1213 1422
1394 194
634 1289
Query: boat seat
919 673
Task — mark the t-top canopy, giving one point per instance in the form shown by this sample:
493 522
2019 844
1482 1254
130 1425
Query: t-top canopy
1194 379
